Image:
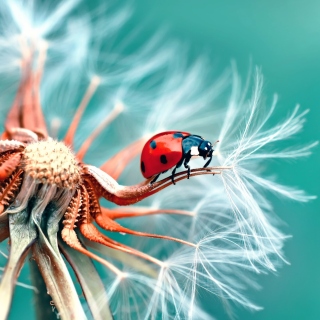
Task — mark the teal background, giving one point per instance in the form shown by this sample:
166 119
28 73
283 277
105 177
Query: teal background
283 38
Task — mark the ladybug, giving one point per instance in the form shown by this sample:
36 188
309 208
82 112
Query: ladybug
171 149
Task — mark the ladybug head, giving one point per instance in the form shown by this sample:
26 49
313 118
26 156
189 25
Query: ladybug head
205 149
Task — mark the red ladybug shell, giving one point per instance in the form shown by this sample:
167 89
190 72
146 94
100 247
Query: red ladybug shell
162 152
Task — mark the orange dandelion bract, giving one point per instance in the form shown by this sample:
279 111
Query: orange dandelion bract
37 169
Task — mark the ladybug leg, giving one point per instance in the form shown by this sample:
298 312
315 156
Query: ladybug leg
186 161
155 178
208 162
187 167
173 173
174 170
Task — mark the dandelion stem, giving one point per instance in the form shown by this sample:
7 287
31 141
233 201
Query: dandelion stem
22 236
90 281
58 281
41 298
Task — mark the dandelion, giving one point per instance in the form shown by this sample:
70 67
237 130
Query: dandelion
58 199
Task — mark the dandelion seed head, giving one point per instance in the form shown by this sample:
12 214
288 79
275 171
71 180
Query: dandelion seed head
52 162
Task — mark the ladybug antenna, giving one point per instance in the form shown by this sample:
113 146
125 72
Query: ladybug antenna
215 142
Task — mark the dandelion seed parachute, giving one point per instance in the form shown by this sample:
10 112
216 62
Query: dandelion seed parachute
222 228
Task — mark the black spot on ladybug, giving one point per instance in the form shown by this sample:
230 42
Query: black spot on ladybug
163 159
153 144
143 169
178 135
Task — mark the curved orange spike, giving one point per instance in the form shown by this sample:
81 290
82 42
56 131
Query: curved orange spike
90 232
111 225
114 166
72 212
69 236
26 110
86 145
14 117
120 213
69 137
121 247
9 165
9 188
92 210
33 118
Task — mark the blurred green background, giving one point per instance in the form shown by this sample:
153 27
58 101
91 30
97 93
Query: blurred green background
283 38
